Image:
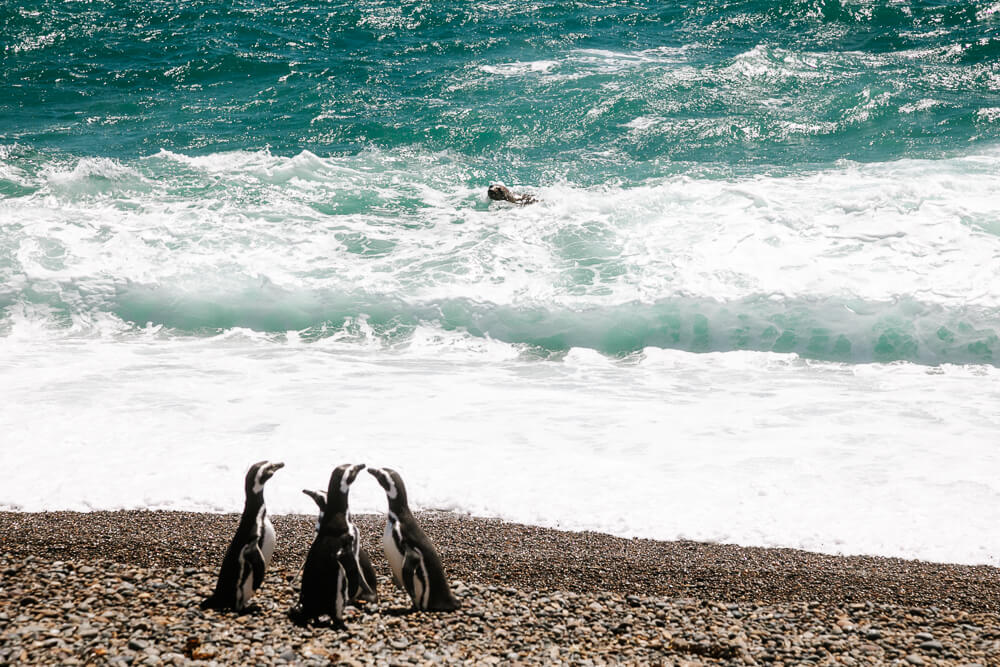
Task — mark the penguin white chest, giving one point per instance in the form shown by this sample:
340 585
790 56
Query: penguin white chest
267 540
392 552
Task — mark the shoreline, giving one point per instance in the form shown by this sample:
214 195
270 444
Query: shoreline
123 588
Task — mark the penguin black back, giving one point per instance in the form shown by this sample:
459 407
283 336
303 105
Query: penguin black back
416 565
370 593
332 574
249 553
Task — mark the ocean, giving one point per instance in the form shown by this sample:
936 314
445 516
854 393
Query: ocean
757 301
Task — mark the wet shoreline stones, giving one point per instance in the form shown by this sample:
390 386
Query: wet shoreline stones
113 588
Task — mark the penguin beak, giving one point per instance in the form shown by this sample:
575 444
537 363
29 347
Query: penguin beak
352 474
273 468
318 497
378 475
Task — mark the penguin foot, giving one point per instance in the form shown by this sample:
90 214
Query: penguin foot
249 609
444 607
299 617
333 624
303 620
210 603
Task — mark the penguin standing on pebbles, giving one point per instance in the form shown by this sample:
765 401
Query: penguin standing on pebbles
331 576
416 566
250 552
364 561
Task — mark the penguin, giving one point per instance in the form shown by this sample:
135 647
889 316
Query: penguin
331 576
498 192
364 561
416 566
249 553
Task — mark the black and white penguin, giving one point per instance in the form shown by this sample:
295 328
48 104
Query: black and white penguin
250 552
331 576
415 563
364 561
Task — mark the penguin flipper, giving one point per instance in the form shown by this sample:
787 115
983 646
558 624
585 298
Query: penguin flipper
413 575
253 556
368 591
354 580
342 585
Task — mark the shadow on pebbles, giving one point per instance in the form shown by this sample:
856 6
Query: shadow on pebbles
63 602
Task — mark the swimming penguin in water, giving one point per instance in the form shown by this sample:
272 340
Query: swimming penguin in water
498 192
364 561
331 576
250 552
415 563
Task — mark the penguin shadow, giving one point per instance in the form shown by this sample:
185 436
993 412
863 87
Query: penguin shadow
327 622
395 607
252 609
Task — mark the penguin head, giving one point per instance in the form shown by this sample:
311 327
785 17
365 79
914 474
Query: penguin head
390 480
319 497
498 192
340 481
259 473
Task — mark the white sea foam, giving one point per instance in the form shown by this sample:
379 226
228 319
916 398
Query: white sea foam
920 105
878 232
644 122
90 176
911 246
769 63
989 114
520 68
605 61
752 448
983 14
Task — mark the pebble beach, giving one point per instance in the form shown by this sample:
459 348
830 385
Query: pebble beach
122 588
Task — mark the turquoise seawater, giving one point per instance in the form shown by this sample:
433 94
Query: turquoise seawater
529 92
795 176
